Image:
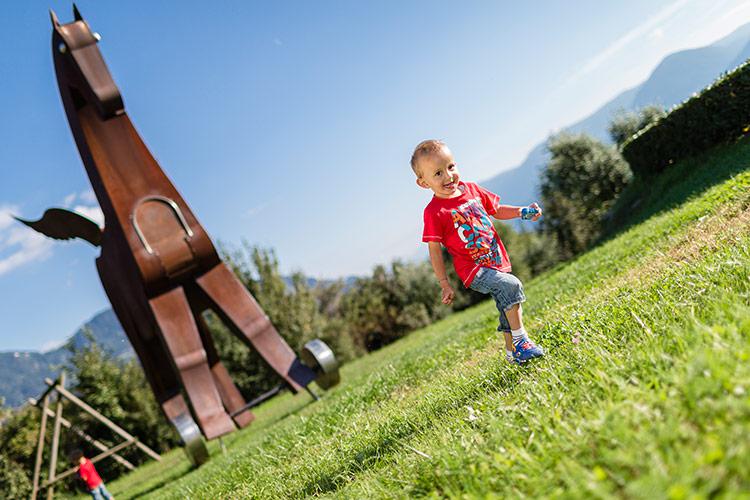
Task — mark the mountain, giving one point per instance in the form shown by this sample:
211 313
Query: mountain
22 373
674 80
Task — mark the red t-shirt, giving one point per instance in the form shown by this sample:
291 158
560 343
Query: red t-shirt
463 225
88 473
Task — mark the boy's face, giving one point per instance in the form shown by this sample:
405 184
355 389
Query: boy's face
438 172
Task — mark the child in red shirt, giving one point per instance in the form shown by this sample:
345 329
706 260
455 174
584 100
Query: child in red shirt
458 217
87 472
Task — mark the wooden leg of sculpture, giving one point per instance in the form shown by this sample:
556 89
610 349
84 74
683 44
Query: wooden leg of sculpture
154 359
228 392
239 310
182 340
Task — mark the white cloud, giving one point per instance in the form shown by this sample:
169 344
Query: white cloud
21 245
616 46
68 201
94 213
51 345
657 34
6 216
721 26
88 196
252 211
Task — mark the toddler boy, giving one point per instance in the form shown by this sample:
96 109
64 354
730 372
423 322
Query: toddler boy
458 217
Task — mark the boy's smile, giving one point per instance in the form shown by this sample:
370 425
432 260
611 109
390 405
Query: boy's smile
438 172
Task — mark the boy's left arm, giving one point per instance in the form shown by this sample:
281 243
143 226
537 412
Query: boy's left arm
506 212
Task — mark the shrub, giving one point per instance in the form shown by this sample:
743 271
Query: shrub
626 124
718 114
579 185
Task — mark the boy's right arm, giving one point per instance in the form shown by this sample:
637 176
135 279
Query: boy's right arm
438 265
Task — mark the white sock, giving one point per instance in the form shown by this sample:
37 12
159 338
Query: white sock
509 354
518 334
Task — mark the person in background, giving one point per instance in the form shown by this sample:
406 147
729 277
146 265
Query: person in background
87 472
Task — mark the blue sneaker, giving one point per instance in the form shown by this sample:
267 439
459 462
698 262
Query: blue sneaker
525 350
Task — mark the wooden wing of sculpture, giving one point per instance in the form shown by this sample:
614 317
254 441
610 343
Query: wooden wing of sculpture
157 264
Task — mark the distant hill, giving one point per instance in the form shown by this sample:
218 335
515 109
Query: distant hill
22 373
674 80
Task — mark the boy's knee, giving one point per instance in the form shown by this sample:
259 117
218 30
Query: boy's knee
515 284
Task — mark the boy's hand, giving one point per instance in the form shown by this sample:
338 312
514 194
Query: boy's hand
448 292
539 214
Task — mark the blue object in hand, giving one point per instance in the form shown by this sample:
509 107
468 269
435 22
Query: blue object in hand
528 212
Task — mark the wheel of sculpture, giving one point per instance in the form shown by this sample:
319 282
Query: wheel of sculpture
158 266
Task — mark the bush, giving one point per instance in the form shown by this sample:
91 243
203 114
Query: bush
531 252
385 307
579 185
718 114
14 482
626 124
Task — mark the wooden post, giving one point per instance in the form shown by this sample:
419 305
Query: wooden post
55 439
119 430
40 446
78 432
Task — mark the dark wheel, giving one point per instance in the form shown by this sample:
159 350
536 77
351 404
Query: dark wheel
318 356
195 447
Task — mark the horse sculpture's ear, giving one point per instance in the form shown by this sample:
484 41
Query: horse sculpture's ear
53 18
77 13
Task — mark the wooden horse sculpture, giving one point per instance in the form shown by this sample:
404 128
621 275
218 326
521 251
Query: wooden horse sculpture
157 264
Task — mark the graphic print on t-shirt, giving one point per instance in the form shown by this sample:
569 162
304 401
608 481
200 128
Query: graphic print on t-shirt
475 230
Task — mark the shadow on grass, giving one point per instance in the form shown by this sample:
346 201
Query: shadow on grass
645 197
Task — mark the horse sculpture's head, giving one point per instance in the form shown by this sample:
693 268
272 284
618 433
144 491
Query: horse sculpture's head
81 67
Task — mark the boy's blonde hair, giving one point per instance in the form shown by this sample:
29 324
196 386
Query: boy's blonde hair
424 148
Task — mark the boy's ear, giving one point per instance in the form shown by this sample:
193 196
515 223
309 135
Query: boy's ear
422 183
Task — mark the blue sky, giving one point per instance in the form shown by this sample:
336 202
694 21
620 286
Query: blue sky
290 124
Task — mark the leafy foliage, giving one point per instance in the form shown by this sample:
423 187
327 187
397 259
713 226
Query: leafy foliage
531 252
716 115
626 124
579 185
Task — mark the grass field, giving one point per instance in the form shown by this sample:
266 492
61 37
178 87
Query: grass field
645 392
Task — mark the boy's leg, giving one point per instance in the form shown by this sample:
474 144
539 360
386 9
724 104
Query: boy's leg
508 341
515 316
105 493
508 298
483 283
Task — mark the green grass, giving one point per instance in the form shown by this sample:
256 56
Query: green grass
645 392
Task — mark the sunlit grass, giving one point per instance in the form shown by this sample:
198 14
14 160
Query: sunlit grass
644 392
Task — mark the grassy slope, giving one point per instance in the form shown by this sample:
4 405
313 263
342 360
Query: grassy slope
644 392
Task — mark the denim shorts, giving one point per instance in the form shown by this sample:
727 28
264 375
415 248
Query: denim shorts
506 289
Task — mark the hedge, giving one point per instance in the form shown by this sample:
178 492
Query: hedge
718 114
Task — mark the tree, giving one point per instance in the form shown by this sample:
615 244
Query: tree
579 185
383 308
299 312
626 124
